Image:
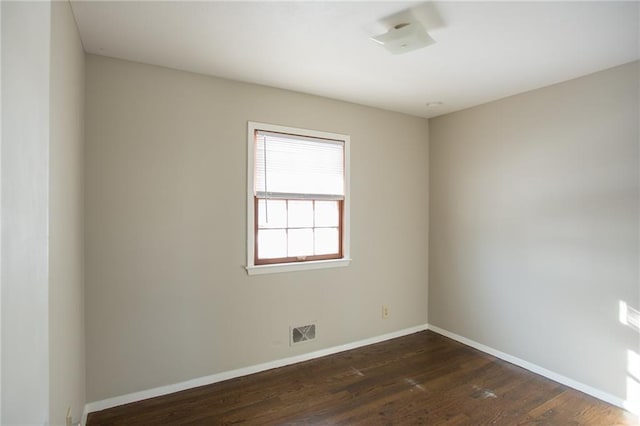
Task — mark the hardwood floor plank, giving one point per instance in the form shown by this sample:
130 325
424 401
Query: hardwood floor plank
423 378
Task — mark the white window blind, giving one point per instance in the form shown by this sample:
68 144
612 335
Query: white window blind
288 166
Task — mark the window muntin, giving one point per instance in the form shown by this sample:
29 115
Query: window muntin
298 185
293 230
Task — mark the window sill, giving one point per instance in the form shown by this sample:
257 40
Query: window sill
296 266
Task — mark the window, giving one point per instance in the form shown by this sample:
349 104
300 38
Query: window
297 204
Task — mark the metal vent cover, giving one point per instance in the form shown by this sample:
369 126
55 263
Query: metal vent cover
302 333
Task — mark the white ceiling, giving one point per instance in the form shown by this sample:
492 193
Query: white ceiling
484 50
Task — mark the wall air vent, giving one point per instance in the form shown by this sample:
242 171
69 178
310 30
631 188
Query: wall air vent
301 334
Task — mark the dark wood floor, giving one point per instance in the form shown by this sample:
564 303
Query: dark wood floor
423 378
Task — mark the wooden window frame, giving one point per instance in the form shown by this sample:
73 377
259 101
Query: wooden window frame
310 258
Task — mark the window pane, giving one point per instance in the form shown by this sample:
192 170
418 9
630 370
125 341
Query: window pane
272 214
272 243
327 213
326 241
300 213
300 242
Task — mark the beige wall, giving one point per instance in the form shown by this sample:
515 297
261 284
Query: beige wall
66 295
167 298
534 225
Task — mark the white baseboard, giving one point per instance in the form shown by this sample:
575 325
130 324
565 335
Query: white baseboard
214 378
604 396
85 413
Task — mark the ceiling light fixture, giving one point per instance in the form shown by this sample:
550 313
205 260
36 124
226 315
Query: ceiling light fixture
434 104
404 38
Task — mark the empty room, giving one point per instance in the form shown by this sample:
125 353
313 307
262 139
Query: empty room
230 212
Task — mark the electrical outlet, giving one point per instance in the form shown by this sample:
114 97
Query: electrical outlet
385 312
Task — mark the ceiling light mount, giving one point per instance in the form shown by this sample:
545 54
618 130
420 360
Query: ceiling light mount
404 37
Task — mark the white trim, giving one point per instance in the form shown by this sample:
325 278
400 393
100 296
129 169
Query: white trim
226 375
1 227
299 266
85 413
251 268
251 127
597 393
